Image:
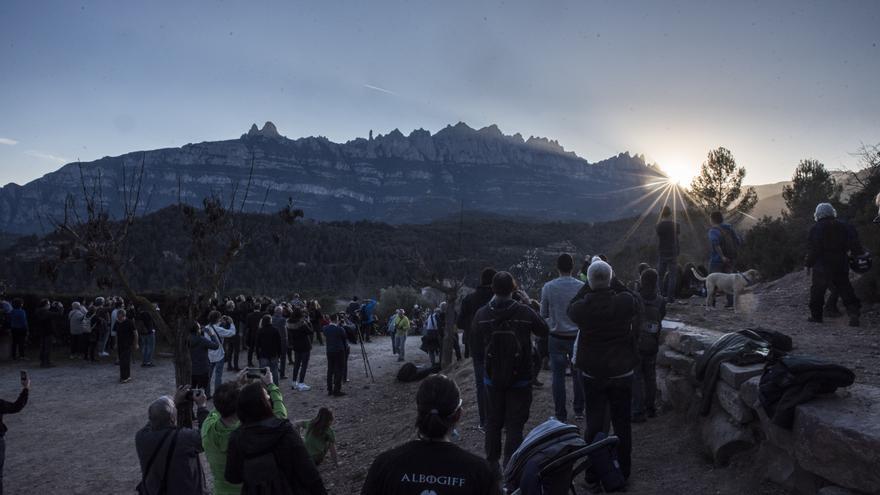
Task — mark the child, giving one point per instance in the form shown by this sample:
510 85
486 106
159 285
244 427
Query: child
645 376
319 436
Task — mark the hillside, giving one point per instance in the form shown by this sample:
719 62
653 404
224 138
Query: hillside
771 202
393 178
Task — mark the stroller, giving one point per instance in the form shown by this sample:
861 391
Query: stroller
550 458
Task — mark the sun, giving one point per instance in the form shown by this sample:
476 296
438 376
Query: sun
678 171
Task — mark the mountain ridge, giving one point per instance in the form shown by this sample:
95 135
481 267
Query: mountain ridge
393 178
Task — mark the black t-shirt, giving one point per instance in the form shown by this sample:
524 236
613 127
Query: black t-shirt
667 234
438 468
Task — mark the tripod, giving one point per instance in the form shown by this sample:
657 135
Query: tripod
368 370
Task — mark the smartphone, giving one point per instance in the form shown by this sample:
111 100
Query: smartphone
198 392
255 372
24 376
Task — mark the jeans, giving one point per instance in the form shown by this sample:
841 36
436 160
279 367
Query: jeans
479 377
400 344
644 394
104 339
720 267
148 345
282 367
300 363
611 396
272 364
233 347
124 363
561 351
335 363
19 338
508 409
669 265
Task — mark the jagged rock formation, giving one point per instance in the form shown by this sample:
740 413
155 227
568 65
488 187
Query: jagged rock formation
392 178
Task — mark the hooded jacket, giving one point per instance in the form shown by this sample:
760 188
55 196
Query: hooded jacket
215 439
199 346
523 321
469 306
606 343
279 437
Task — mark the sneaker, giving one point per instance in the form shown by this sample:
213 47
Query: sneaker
481 429
579 417
294 385
126 380
103 354
304 388
455 435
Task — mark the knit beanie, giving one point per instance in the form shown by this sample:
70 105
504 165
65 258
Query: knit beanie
824 210
599 275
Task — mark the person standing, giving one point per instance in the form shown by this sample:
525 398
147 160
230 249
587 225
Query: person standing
401 329
299 335
667 254
42 326
11 408
147 336
653 308
200 343
279 321
474 347
829 244
126 339
252 322
233 343
724 245
77 329
555 296
335 342
431 339
606 355
505 327
222 327
268 347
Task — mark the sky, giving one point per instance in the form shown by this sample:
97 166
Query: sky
774 82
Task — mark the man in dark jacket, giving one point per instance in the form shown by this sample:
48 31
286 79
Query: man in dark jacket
829 244
606 355
11 408
43 329
169 456
252 324
336 343
469 306
126 337
667 254
508 375
269 347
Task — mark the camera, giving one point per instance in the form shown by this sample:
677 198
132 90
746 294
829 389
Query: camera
256 372
195 393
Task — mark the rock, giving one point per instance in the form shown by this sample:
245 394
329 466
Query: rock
681 392
723 438
776 435
676 361
839 438
750 392
736 375
781 468
728 399
688 341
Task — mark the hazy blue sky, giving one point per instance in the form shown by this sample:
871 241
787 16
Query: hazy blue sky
773 81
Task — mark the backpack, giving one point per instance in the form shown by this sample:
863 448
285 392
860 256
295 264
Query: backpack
729 242
86 324
649 333
503 355
263 474
604 467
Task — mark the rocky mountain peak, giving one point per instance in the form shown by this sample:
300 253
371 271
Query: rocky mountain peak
269 131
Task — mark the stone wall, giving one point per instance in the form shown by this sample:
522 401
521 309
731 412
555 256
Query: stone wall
833 448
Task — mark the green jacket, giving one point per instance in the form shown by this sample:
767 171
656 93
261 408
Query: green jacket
402 326
215 440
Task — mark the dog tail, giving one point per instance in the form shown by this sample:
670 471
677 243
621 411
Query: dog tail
697 274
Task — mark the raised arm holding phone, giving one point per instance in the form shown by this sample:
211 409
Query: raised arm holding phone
11 408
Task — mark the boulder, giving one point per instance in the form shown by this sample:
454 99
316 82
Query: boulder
723 438
778 436
680 392
735 375
781 468
688 341
676 361
838 437
750 392
728 399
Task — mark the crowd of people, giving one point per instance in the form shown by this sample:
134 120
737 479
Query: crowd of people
587 324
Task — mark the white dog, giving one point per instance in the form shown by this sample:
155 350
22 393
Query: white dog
728 283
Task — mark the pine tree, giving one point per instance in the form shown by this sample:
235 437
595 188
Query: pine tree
719 187
811 184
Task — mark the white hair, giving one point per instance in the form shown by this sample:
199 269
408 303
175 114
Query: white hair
599 275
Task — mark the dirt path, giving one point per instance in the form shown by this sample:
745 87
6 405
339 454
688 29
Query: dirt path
76 435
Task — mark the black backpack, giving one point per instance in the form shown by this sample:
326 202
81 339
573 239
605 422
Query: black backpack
729 242
263 474
649 333
504 353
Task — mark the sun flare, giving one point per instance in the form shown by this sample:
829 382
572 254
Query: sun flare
678 171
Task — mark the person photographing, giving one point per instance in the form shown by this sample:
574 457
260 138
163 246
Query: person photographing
11 408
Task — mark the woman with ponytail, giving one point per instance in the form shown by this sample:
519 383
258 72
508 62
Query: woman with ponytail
431 463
